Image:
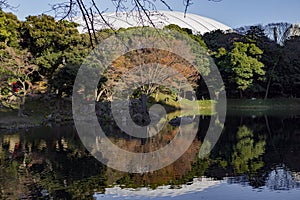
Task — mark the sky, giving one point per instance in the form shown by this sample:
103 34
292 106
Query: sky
234 13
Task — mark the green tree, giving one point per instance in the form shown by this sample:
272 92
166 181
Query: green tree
289 69
241 64
218 39
63 79
196 37
55 46
51 42
9 30
271 57
255 33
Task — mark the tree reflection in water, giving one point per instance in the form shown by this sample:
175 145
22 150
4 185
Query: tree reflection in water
52 161
281 178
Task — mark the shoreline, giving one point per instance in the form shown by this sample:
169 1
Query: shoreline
46 116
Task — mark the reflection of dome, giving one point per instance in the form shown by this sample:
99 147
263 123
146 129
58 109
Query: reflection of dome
198 184
196 23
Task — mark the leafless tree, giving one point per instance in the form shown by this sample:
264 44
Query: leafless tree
89 9
4 4
277 31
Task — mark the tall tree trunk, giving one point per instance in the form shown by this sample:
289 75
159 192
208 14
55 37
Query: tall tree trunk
267 89
22 106
269 81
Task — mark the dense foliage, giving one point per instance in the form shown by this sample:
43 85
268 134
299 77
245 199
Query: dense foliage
253 65
42 49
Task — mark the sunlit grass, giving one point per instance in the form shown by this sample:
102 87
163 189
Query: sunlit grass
184 107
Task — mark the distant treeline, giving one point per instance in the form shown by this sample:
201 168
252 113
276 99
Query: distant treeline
43 51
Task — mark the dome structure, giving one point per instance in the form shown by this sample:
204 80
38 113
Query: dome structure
159 19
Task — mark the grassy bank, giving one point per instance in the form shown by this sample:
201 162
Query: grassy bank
205 107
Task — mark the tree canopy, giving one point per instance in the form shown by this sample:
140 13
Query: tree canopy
251 63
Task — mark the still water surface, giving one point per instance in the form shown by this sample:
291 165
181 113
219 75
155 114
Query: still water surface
256 157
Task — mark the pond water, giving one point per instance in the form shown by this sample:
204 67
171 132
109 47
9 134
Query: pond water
256 157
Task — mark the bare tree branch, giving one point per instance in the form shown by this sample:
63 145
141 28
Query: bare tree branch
187 3
166 4
119 5
89 9
4 4
101 15
140 8
81 7
68 9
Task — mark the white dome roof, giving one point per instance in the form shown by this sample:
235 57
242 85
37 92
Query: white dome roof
196 23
